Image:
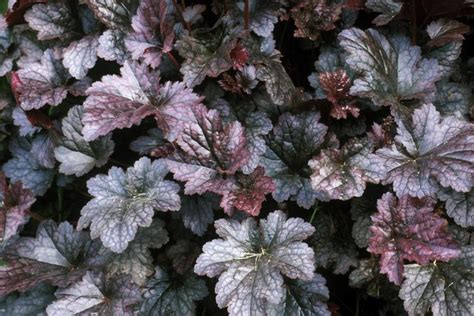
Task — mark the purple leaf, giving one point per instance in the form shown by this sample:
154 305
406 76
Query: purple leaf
408 229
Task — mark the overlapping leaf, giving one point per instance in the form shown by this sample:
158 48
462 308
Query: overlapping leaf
251 261
388 9
407 229
75 154
120 102
392 70
294 141
96 294
459 206
15 202
58 254
430 152
445 289
125 201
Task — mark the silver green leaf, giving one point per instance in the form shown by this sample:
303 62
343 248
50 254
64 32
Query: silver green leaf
124 201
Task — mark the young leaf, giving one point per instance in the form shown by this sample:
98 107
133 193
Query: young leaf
152 33
15 201
52 21
75 154
392 69
430 152
341 174
336 85
124 201
444 31
408 229
165 295
26 168
96 294
313 16
120 102
137 260
294 141
388 9
210 150
445 289
59 255
250 261
247 192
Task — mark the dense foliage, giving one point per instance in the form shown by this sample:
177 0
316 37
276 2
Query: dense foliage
248 157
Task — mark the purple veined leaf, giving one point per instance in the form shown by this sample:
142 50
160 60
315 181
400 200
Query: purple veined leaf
388 9
209 151
452 99
341 174
430 152
152 34
24 125
126 200
98 294
263 15
46 82
52 21
248 192
336 86
76 156
447 57
197 211
408 229
15 201
112 46
137 260
42 149
443 289
313 16
459 206
166 295
8 54
294 141
251 261
122 101
391 68
59 254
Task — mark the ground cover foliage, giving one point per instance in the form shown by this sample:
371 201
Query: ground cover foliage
249 157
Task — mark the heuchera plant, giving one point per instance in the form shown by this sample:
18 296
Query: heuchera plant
244 158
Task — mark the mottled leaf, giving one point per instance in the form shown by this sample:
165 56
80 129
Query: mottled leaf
250 261
81 55
32 302
445 289
459 206
391 68
294 141
124 201
114 14
408 229
445 31
197 211
429 152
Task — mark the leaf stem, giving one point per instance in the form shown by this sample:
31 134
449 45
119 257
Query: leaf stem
246 15
316 209
173 60
180 12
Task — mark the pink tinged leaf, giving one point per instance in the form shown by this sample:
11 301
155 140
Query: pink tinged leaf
249 193
208 151
408 229
118 102
337 84
14 205
42 83
146 41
